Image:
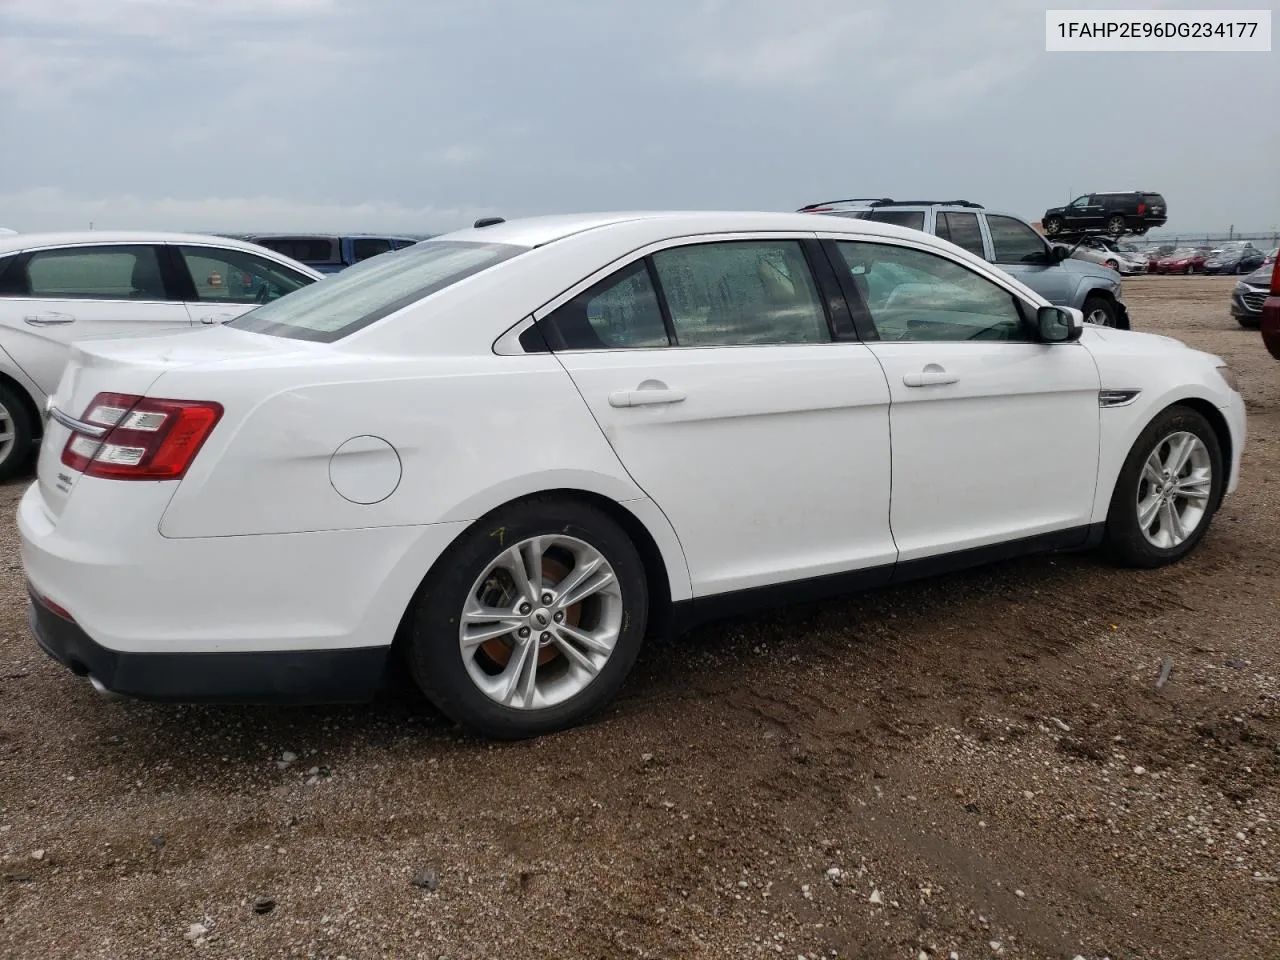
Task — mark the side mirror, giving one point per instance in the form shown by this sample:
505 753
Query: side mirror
1059 324
1058 254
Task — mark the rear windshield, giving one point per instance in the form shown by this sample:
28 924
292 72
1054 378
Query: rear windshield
340 305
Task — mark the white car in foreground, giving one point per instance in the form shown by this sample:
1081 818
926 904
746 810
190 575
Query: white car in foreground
58 288
503 455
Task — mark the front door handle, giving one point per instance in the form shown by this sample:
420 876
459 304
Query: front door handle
645 395
48 319
932 375
218 318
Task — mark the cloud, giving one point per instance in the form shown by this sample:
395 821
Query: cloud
49 208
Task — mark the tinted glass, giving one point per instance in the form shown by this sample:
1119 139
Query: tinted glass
741 292
1015 242
961 229
914 295
11 282
1080 201
367 247
306 249
620 311
903 218
372 290
233 276
104 273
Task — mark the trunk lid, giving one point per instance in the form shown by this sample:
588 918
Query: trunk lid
129 366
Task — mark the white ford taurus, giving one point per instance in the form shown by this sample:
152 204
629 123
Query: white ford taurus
502 456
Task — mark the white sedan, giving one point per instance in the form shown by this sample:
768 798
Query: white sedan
57 288
503 456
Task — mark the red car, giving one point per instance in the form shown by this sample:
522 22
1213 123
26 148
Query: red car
1271 313
1184 260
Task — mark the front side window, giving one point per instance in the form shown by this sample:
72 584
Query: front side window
234 276
961 229
911 295
903 218
741 292
127 272
1015 242
1080 202
620 311
372 290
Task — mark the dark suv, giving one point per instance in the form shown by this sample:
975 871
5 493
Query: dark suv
1115 213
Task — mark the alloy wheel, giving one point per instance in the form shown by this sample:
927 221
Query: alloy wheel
1174 489
540 622
8 435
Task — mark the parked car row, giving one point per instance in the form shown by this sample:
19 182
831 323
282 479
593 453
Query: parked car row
352 464
1005 240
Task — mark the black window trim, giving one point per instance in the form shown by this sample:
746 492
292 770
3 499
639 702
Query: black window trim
22 258
546 334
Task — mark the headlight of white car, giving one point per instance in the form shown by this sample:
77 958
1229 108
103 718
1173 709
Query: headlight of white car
1229 377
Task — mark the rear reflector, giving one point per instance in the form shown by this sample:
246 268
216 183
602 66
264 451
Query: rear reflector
57 609
147 438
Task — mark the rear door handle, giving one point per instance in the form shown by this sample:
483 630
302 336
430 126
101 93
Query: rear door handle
932 375
645 396
48 319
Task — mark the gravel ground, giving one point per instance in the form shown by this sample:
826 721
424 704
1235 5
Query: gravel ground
977 766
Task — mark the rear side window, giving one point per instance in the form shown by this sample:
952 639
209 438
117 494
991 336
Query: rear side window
306 249
740 293
903 218
961 229
366 247
96 273
1014 241
621 310
369 291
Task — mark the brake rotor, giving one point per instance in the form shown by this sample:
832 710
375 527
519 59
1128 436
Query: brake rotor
499 649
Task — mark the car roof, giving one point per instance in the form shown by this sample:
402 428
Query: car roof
536 231
29 241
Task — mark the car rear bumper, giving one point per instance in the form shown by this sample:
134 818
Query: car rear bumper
283 676
293 617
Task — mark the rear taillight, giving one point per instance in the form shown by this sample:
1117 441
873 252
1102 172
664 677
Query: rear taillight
1275 278
1142 208
146 438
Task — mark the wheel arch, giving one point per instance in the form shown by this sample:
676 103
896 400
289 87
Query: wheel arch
28 402
1128 433
663 572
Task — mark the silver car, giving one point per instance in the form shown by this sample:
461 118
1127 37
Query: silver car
1007 241
1124 259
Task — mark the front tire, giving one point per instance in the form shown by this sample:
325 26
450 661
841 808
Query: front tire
17 434
531 621
1053 226
1167 491
1100 311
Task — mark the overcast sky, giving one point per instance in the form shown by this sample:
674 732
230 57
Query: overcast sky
419 115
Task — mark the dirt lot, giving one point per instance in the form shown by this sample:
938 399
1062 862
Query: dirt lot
980 764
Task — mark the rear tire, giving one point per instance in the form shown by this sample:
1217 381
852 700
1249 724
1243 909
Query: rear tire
1115 226
17 434
489 687
1168 534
